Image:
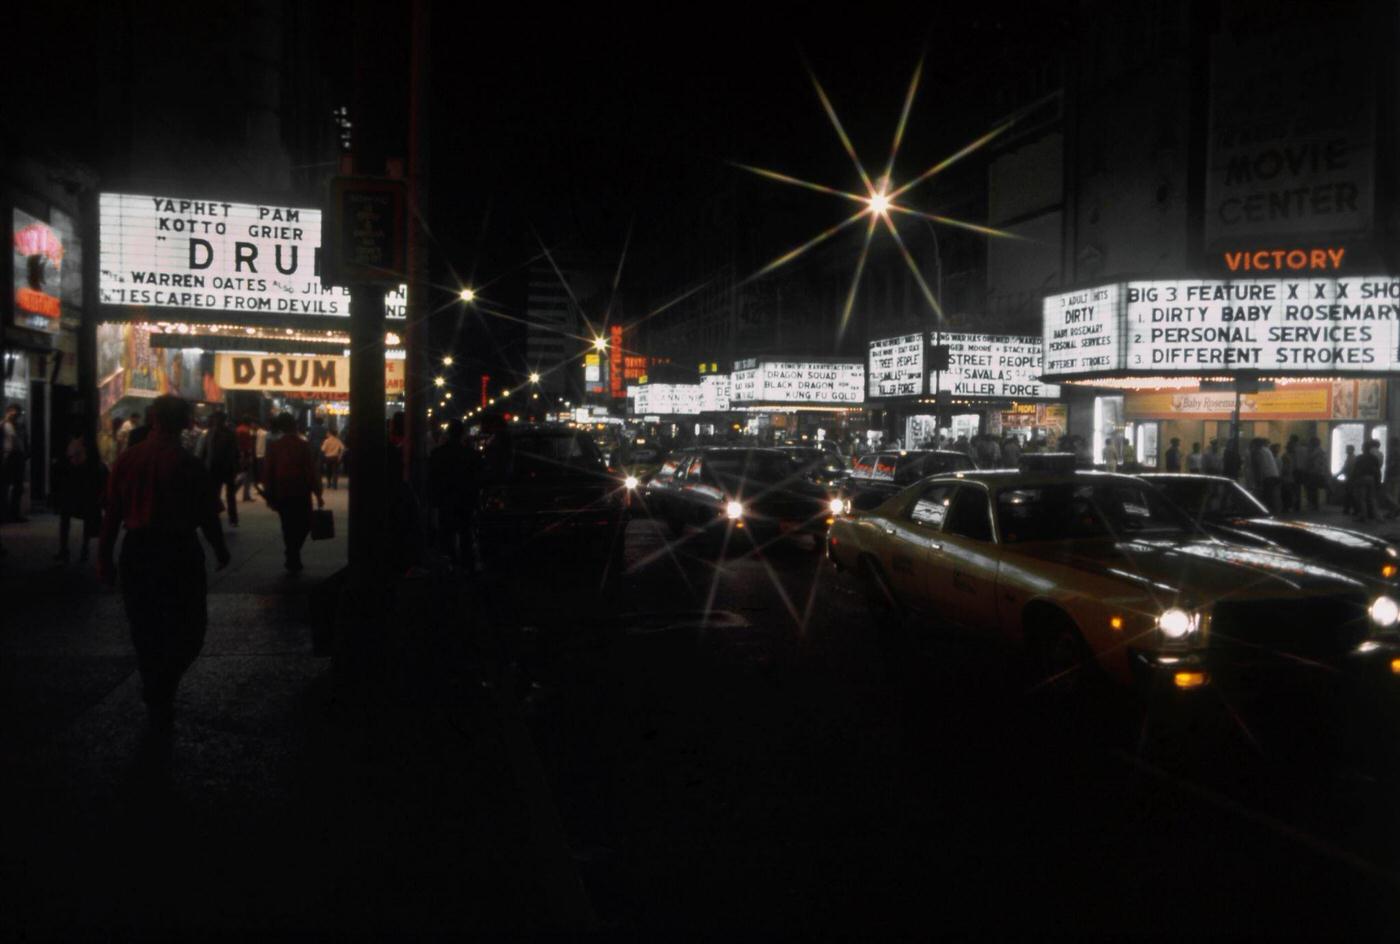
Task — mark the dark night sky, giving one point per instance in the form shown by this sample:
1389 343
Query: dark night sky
582 123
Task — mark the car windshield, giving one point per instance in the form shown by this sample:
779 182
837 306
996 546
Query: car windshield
546 455
755 466
1067 510
1204 498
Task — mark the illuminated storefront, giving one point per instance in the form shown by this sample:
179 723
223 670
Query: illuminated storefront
187 284
787 399
961 384
1185 359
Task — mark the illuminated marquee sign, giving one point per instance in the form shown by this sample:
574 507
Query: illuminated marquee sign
1080 331
662 399
169 252
1285 260
799 382
714 393
994 365
896 366
296 373
1270 326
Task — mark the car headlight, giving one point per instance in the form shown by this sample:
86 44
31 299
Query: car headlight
838 506
1176 624
630 483
1384 612
734 511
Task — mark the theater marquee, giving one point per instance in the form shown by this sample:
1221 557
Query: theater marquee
259 260
1298 326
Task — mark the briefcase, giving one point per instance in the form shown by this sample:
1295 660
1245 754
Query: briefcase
322 524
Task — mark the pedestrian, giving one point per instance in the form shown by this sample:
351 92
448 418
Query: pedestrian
1211 461
260 434
244 434
1349 482
1366 473
80 492
1110 455
124 432
14 451
1266 475
332 449
161 495
107 441
449 475
1173 457
139 432
1392 470
1127 455
1288 476
290 479
1232 464
1195 459
1011 453
219 452
1317 475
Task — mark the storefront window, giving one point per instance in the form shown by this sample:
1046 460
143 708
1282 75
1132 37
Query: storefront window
1108 423
1343 435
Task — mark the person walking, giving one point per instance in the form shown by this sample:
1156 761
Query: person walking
219 452
1288 476
80 493
1011 452
1266 475
1172 459
1211 462
1195 459
1366 473
14 450
290 479
1318 472
160 494
332 449
260 435
124 432
245 433
448 478
1110 455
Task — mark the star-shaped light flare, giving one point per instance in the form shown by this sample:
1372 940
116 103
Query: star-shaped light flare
879 200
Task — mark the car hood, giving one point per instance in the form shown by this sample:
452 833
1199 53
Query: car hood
789 490
1282 530
1198 570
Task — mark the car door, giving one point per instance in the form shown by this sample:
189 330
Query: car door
911 537
964 566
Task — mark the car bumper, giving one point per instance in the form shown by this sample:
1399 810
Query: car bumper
1373 666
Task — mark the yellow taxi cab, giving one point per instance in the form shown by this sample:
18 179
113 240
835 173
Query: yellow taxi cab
1099 575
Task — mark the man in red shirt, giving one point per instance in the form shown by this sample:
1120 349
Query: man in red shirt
244 433
161 494
291 475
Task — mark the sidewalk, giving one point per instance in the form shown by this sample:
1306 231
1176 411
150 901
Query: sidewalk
286 810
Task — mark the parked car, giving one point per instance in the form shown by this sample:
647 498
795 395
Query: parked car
1229 512
546 484
1100 576
819 466
875 477
727 490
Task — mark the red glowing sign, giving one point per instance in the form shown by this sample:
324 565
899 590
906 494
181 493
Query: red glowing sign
616 386
485 385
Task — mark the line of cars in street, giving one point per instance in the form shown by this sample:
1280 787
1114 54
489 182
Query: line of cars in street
1164 584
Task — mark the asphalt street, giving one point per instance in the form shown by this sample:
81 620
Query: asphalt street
736 738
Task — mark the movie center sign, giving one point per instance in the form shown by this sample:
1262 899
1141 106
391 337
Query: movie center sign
1200 327
896 366
1006 367
799 382
297 374
247 258
663 399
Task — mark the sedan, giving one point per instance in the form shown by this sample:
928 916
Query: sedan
1100 577
728 490
1230 513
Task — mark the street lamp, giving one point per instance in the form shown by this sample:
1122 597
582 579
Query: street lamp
447 360
467 295
601 343
534 378
439 381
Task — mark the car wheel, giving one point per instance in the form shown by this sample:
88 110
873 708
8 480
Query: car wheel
877 588
1062 665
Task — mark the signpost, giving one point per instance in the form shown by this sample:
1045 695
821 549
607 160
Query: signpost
365 238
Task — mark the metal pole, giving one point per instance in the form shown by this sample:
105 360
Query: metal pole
368 439
416 331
